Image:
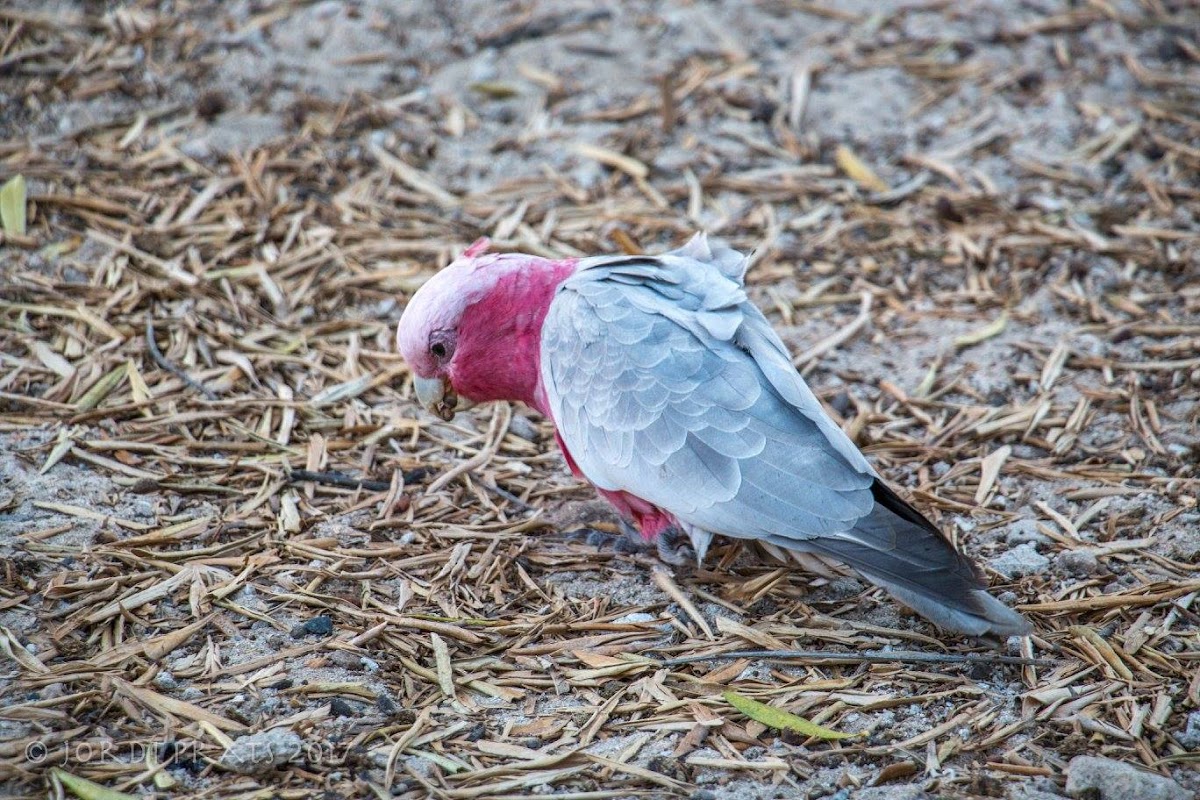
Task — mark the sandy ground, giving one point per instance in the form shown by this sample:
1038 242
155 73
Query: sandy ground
1027 237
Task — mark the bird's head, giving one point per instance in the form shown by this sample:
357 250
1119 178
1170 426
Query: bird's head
472 332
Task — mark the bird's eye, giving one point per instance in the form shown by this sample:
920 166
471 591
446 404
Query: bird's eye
441 345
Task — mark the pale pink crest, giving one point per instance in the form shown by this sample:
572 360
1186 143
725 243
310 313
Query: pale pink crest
477 247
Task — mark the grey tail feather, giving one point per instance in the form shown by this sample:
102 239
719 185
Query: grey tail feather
896 548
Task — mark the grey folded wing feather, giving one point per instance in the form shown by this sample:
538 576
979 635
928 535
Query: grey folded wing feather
666 382
655 391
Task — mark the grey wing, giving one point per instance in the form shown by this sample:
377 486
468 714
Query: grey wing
713 252
655 391
666 382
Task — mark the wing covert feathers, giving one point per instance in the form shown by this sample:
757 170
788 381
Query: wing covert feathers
667 383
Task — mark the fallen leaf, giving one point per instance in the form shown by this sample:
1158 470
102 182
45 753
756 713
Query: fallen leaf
989 470
445 672
993 328
52 360
857 170
12 206
495 89
82 787
779 719
895 771
11 646
100 389
610 158
342 391
171 707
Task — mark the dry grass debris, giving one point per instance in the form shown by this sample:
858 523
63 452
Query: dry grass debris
222 515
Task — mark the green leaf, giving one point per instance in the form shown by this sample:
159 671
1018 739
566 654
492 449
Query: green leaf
857 169
82 787
779 719
993 328
12 206
495 89
100 390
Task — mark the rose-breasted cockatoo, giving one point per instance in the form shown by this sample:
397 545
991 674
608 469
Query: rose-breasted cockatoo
670 392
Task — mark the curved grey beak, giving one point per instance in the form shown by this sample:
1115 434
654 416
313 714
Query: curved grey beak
438 397
429 390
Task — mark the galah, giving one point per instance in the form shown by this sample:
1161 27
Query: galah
670 392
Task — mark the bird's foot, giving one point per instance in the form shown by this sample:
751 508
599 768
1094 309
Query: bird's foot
618 538
675 548
672 546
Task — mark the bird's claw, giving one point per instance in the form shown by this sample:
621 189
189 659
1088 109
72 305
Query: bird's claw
594 537
627 547
674 548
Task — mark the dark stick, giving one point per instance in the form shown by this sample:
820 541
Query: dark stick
666 86
537 27
872 657
163 362
337 479
349 482
506 495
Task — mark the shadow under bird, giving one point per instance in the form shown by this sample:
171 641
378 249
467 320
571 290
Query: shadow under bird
671 393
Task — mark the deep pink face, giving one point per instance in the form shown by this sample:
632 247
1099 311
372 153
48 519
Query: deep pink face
473 330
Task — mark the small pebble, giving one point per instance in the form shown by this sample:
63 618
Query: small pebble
1024 531
346 660
1108 779
141 507
845 587
260 752
317 626
198 149
1020 561
1078 562
420 766
386 704
1190 737
523 427
340 708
